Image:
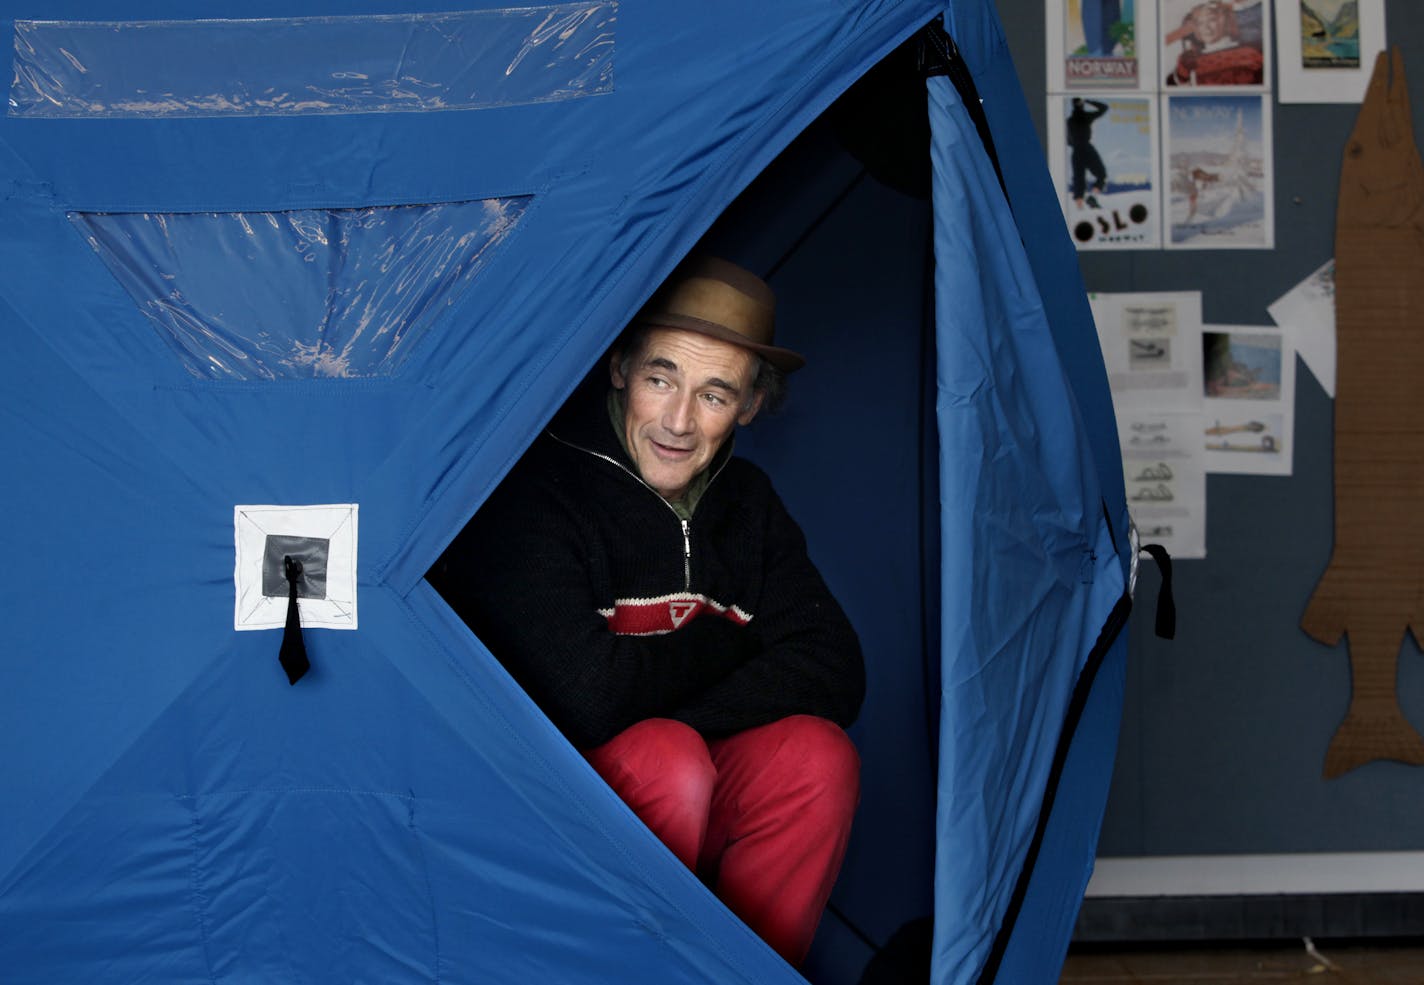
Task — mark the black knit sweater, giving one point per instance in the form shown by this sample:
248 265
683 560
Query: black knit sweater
580 580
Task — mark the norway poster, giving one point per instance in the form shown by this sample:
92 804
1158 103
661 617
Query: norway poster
1218 166
1098 44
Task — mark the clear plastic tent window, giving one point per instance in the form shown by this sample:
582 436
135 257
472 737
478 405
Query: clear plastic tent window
299 294
312 65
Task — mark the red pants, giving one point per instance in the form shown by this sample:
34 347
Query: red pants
762 816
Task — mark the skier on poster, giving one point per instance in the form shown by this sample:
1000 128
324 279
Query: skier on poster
1085 157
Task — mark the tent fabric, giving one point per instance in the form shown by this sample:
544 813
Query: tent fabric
1029 565
176 811
1034 946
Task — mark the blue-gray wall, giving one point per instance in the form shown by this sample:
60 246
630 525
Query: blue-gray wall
1225 729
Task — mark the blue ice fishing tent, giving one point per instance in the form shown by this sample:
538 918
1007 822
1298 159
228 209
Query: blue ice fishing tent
288 278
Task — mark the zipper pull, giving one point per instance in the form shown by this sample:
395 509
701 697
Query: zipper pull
686 556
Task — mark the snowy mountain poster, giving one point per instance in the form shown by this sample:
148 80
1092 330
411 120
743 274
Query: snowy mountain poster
1218 172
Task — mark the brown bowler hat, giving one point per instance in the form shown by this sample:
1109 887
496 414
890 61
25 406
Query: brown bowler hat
720 299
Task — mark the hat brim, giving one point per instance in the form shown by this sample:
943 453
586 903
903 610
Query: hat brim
783 359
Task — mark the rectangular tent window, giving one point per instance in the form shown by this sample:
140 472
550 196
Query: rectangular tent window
313 65
300 294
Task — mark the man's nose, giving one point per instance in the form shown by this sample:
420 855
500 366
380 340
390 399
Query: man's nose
678 417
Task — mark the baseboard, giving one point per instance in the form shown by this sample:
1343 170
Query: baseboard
1311 873
1257 918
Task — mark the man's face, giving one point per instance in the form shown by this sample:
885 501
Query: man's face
683 395
1209 21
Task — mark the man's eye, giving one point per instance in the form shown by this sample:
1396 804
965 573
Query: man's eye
716 399
657 381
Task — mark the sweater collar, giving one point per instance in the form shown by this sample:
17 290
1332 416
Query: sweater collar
596 429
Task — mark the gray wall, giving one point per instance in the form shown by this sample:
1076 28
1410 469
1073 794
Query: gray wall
1225 729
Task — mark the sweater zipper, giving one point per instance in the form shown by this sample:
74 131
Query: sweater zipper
685 524
686 555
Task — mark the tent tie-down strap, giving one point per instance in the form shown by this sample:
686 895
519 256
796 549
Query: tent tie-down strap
293 654
1166 625
939 55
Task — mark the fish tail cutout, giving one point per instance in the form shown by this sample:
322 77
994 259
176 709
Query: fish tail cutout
1364 738
1374 726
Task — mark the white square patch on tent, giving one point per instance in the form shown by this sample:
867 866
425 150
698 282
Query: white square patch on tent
327 535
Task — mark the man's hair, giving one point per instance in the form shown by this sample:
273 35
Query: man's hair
769 381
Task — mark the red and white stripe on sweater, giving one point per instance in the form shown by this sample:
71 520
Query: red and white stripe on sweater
666 613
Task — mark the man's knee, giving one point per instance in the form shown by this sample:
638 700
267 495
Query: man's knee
830 759
805 757
663 771
658 757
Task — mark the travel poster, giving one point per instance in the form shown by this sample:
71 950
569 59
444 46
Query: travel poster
1104 159
1215 43
1218 172
1327 48
1097 44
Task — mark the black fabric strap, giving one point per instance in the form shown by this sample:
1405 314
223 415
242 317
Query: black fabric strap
939 55
293 655
1166 626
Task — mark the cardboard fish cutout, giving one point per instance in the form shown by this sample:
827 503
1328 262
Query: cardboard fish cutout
1371 591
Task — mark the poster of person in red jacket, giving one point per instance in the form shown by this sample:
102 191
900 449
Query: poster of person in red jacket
1208 43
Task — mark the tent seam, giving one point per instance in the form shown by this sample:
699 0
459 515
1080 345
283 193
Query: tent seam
199 898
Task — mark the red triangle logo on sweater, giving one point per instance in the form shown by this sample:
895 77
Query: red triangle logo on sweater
680 609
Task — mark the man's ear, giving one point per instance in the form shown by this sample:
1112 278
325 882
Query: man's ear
615 370
745 417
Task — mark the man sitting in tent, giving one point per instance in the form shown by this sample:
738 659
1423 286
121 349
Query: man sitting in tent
652 594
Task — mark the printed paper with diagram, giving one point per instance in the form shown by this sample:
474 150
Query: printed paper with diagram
1248 416
1152 349
1306 313
1166 480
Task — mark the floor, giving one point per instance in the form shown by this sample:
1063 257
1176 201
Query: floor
1319 963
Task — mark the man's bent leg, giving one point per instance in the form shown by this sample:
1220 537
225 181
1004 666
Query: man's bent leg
662 770
781 814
